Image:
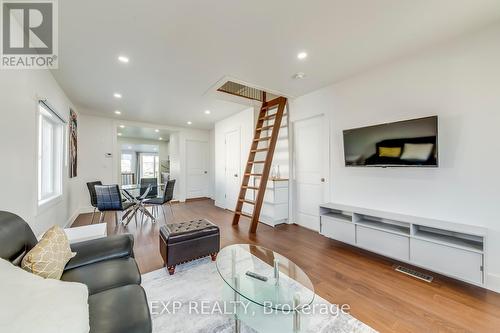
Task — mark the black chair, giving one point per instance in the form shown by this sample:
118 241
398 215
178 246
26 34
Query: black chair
147 182
109 199
93 196
167 197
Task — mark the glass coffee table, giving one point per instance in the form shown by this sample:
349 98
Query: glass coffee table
273 304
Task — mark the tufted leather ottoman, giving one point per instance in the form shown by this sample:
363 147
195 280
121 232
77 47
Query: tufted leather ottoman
186 241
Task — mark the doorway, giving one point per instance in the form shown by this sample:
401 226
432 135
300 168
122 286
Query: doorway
144 153
232 168
197 169
310 168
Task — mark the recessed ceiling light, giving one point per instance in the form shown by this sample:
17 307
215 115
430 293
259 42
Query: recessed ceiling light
122 126
302 55
189 122
119 134
207 111
129 147
155 149
118 112
123 59
157 130
299 75
117 95
160 138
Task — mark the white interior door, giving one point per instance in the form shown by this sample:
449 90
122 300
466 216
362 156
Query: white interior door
310 148
233 168
197 168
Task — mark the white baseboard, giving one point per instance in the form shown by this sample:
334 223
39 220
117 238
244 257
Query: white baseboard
72 219
81 210
493 282
86 209
219 204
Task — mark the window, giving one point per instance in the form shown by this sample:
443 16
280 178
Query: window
50 155
126 163
149 165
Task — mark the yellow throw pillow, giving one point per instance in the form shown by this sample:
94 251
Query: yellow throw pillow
49 257
389 151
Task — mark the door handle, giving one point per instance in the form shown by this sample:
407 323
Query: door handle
322 180
236 175
205 172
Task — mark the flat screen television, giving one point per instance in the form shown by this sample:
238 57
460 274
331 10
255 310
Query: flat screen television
409 143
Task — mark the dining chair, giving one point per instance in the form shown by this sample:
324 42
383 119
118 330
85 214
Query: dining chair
145 183
93 196
109 199
167 197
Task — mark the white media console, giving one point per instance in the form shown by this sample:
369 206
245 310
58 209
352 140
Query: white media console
451 249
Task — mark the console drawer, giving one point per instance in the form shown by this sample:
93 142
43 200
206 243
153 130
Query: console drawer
385 243
343 231
463 264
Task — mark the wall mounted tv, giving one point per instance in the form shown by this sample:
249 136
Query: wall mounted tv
409 143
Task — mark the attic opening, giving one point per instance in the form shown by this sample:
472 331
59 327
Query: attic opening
240 90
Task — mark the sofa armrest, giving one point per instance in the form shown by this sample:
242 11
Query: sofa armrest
95 250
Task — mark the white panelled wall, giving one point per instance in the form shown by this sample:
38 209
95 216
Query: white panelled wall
460 83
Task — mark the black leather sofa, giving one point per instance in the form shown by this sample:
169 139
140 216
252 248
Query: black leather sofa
117 302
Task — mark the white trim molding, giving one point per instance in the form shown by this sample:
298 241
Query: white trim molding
493 282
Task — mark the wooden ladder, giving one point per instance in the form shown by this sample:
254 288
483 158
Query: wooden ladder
278 105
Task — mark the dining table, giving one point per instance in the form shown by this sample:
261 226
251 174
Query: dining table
137 193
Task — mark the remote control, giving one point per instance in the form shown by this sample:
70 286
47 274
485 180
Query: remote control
256 276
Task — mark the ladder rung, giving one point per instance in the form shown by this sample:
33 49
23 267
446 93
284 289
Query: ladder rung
251 202
262 139
258 150
255 162
250 187
271 116
265 128
253 174
244 214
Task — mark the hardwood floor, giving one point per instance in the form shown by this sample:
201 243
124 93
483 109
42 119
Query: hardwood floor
382 298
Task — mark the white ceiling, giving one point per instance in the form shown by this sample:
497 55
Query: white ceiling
178 49
144 133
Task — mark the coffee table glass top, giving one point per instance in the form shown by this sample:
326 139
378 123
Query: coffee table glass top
291 290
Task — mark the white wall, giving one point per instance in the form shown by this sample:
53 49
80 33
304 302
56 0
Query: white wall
459 82
281 157
175 161
98 137
244 121
19 94
212 164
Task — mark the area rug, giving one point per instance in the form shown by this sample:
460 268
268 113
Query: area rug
191 301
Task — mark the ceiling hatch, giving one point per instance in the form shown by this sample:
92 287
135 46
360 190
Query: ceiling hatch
241 90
